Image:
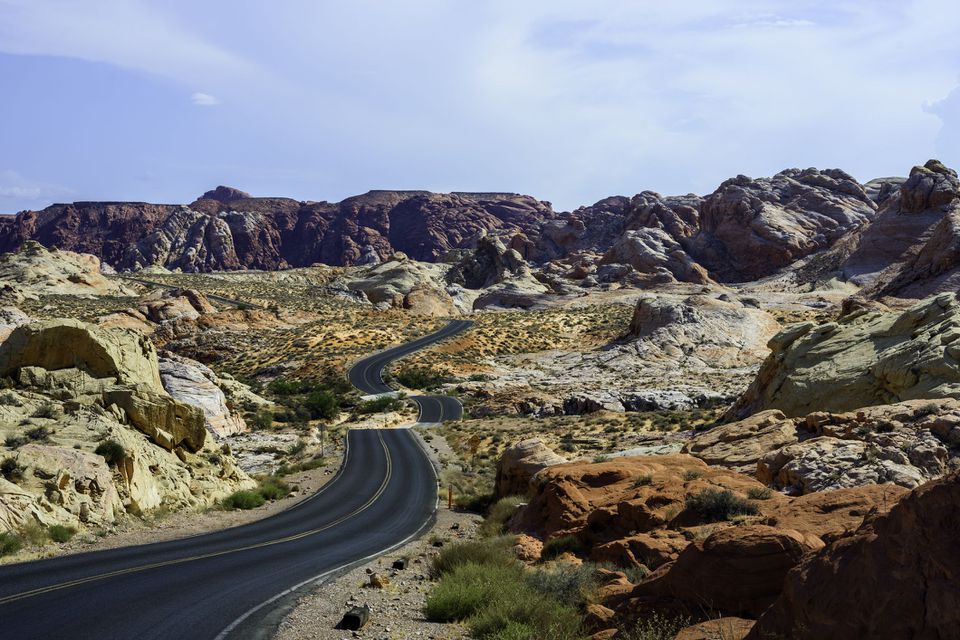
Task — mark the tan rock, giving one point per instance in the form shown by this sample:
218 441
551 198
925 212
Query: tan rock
169 423
519 463
862 360
36 270
527 548
739 445
726 628
123 354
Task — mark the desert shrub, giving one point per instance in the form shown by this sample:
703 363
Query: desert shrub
760 493
111 450
38 434
243 500
291 387
10 399
15 442
10 470
571 584
558 546
501 511
520 609
692 474
273 488
380 405
47 410
263 419
643 481
9 543
296 448
321 404
469 587
714 505
420 378
655 627
491 551
60 533
601 457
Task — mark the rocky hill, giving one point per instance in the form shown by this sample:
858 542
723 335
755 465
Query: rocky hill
746 229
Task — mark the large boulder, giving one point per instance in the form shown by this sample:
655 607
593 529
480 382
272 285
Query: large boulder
519 463
123 354
194 384
862 359
740 445
896 577
737 570
169 423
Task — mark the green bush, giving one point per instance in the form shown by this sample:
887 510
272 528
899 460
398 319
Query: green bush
273 489
322 405
243 500
60 533
573 585
468 588
558 546
381 405
10 470
492 551
47 410
263 419
496 520
285 387
15 442
655 627
111 450
38 434
517 608
760 493
643 481
420 378
9 543
692 474
714 505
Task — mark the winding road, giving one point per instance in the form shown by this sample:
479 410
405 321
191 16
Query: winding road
239 582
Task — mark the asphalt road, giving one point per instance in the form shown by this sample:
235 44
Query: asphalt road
367 375
236 583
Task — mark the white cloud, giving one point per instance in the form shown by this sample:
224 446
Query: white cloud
204 100
15 188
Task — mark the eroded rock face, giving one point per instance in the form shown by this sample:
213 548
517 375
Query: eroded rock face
61 409
740 445
519 463
35 270
749 228
195 384
863 359
123 354
226 229
896 577
400 283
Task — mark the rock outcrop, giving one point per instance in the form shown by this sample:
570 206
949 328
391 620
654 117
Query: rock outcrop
906 443
226 229
896 577
864 358
76 387
519 463
195 384
34 270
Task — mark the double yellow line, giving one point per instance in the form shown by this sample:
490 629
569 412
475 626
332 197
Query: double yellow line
259 545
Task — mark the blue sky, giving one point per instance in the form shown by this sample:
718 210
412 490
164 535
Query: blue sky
567 101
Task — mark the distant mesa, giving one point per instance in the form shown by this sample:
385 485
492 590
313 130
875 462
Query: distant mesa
225 194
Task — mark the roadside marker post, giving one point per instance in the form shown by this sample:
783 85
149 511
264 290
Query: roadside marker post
450 497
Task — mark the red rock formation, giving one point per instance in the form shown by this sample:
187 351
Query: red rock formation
897 577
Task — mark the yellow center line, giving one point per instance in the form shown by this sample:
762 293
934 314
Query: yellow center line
268 543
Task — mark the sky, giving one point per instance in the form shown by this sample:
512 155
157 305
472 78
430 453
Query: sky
568 101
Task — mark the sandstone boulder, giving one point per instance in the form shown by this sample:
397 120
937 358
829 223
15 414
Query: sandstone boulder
737 570
36 270
896 577
194 384
519 463
739 445
126 355
168 423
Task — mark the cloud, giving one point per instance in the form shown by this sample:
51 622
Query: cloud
15 188
204 100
